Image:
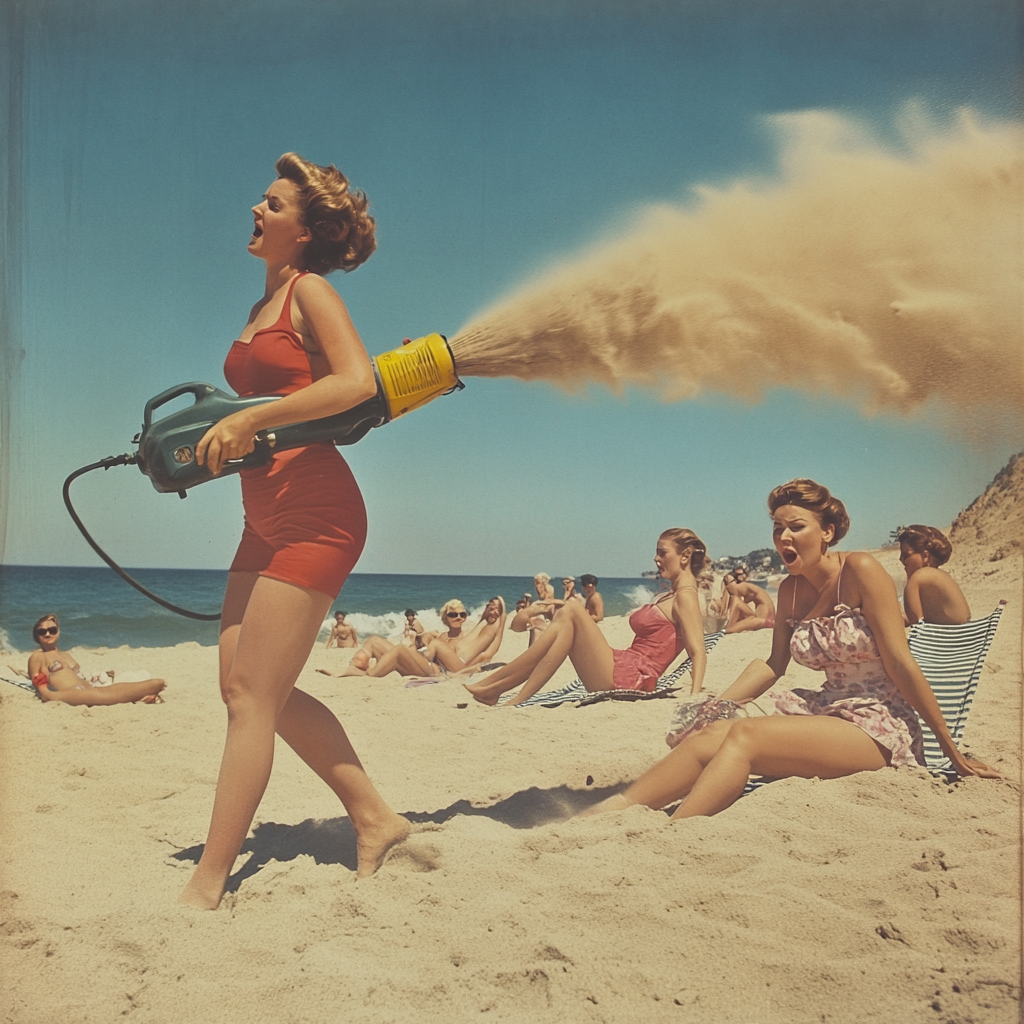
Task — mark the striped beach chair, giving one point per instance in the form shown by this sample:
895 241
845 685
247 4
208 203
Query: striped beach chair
951 658
576 693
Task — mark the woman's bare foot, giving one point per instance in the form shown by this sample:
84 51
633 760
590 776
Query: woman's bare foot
374 841
193 896
482 696
618 802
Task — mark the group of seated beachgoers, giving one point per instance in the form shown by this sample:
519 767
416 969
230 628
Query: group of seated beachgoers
534 615
841 616
422 653
457 650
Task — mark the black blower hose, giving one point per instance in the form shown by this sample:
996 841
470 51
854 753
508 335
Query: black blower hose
122 460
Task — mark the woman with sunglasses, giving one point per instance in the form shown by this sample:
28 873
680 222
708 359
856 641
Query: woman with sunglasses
305 522
57 676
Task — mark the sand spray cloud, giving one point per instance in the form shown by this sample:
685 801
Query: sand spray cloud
886 277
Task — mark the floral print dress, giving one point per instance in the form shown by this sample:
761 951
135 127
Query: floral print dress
856 688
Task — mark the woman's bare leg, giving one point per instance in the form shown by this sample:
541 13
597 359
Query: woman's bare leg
780 746
573 634
316 735
709 770
267 631
747 624
673 776
402 660
104 696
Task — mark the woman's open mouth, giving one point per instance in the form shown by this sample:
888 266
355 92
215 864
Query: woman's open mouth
788 556
256 232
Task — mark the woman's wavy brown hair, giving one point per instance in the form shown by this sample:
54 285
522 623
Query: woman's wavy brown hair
336 215
927 538
684 539
816 498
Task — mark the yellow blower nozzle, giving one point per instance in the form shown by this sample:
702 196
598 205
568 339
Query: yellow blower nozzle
416 373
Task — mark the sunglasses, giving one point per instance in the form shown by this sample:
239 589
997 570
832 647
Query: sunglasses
48 631
458 615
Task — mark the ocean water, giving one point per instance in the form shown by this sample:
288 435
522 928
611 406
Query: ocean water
98 609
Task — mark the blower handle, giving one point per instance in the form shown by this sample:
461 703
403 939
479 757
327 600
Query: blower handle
197 388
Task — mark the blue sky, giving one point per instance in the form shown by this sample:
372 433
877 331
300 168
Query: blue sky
492 139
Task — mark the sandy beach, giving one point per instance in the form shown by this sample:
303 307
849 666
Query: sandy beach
887 896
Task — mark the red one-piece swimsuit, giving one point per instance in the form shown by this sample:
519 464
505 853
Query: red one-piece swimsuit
305 522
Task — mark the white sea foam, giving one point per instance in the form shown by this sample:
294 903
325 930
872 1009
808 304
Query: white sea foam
637 596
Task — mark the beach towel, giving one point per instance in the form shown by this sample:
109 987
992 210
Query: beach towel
951 658
577 694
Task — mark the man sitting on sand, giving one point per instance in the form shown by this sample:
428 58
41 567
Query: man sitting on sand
931 594
594 602
342 634
58 676
751 606
415 634
452 652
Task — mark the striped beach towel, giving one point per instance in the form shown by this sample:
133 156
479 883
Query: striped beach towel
576 693
951 658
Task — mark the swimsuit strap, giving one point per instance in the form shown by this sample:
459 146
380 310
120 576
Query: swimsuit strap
839 579
286 309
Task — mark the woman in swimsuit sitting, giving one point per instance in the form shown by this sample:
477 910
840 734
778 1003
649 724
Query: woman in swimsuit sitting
57 676
844 619
663 629
450 652
931 594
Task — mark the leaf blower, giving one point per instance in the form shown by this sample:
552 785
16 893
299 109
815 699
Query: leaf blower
407 378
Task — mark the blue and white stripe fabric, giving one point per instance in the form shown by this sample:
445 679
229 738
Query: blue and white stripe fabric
951 658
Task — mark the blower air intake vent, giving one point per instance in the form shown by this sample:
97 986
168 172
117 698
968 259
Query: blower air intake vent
418 372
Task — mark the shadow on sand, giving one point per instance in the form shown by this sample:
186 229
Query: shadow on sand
333 840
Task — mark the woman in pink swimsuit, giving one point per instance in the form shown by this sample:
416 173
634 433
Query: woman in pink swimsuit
663 629
844 620
305 523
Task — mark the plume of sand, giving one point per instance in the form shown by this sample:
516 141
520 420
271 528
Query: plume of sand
887 277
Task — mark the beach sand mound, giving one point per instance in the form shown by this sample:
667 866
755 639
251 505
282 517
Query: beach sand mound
884 897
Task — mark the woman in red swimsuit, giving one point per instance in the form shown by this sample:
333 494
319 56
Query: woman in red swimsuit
663 628
305 523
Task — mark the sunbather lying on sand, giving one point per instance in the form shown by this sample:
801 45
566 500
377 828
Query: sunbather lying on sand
58 676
